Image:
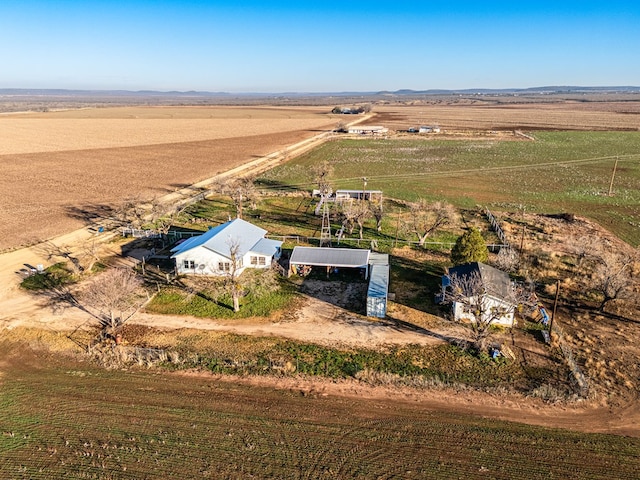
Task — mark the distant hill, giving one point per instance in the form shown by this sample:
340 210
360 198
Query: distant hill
514 91
42 99
17 92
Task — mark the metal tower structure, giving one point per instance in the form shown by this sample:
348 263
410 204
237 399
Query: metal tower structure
325 233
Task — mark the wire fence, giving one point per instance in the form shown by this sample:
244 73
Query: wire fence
497 228
578 376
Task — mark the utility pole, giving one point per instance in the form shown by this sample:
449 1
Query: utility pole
613 174
364 187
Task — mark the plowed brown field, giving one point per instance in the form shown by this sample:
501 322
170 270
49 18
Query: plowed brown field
56 165
526 116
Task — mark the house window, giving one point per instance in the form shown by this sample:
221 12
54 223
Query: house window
258 261
224 266
189 264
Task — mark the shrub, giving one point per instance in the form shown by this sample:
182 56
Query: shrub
469 247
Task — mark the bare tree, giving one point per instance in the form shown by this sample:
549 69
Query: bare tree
321 177
507 260
116 294
354 212
241 191
231 272
163 218
378 213
362 212
612 276
233 279
584 247
485 304
427 218
258 282
341 127
89 253
131 212
607 269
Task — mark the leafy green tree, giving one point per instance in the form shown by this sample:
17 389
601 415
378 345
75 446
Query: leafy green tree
469 247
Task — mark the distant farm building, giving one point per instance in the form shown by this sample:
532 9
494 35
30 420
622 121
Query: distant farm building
350 110
210 253
429 129
342 195
370 195
368 130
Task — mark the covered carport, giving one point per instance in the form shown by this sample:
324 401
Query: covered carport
328 257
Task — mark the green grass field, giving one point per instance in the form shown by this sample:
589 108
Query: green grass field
65 420
559 172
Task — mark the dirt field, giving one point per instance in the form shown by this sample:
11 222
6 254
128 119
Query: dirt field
457 118
95 128
69 419
58 165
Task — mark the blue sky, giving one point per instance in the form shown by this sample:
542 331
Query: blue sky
314 46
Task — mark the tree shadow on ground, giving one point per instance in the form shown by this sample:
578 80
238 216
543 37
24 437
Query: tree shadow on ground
416 283
404 326
91 213
279 186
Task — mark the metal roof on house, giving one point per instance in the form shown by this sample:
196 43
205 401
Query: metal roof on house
266 246
330 257
496 282
219 239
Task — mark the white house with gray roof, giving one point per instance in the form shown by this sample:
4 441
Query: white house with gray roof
210 253
487 286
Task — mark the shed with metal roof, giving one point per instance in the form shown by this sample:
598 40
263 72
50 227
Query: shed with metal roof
330 257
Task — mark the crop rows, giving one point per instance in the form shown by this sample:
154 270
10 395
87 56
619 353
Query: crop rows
60 423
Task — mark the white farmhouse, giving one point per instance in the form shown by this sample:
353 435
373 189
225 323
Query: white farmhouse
494 296
210 253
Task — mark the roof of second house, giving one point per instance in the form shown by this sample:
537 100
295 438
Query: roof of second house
330 257
219 239
495 282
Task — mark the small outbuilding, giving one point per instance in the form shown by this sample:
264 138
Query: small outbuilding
368 130
371 195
